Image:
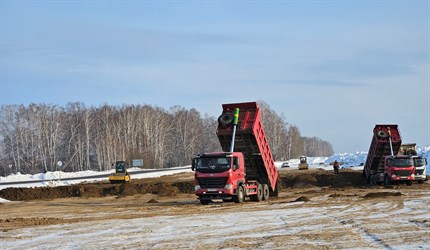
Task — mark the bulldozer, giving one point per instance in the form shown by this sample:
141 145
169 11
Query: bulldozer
303 165
121 175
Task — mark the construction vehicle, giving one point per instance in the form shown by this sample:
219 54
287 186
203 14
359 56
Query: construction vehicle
420 168
383 165
408 149
419 161
121 174
303 165
245 168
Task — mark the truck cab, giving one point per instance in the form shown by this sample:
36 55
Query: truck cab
399 168
420 168
218 176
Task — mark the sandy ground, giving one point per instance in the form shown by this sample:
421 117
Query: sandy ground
308 214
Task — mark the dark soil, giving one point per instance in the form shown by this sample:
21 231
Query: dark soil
382 194
184 184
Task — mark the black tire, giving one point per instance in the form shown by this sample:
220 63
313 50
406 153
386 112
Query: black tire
226 119
240 197
420 181
372 180
382 134
259 193
205 202
387 181
409 183
259 196
265 192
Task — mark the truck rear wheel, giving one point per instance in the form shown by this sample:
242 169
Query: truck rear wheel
259 196
240 195
265 192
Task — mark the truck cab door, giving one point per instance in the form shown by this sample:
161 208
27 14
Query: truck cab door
236 163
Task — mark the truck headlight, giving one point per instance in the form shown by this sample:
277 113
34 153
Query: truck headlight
196 187
228 186
413 175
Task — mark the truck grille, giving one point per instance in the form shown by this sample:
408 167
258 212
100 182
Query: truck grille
403 172
218 182
419 172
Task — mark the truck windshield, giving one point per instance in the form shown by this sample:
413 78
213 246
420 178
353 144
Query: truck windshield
419 162
400 162
213 165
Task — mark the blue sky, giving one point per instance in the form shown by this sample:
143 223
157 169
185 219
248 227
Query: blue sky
333 68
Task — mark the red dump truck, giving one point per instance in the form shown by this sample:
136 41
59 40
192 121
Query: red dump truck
245 168
383 165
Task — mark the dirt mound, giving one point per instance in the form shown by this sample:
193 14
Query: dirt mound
98 190
382 194
302 198
32 221
319 178
176 184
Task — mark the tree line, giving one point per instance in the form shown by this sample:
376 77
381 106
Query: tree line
34 138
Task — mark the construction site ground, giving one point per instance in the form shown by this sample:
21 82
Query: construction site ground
316 209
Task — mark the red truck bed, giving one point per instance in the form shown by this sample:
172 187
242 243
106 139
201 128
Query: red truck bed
251 140
380 147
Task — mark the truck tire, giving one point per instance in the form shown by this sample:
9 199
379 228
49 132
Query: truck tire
259 193
387 181
382 134
259 196
372 180
205 202
240 197
265 192
226 119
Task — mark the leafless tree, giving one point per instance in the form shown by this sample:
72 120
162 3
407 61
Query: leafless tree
34 137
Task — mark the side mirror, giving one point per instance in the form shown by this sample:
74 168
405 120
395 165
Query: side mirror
193 164
235 163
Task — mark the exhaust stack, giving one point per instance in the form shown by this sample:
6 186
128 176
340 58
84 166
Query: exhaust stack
389 139
235 121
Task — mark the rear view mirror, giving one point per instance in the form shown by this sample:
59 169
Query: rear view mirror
193 164
235 163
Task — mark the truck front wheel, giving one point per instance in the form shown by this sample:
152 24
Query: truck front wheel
205 202
373 180
240 195
387 181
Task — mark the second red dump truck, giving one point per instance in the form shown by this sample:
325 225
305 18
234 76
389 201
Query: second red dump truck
245 168
383 165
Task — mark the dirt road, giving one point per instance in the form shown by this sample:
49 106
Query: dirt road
315 210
